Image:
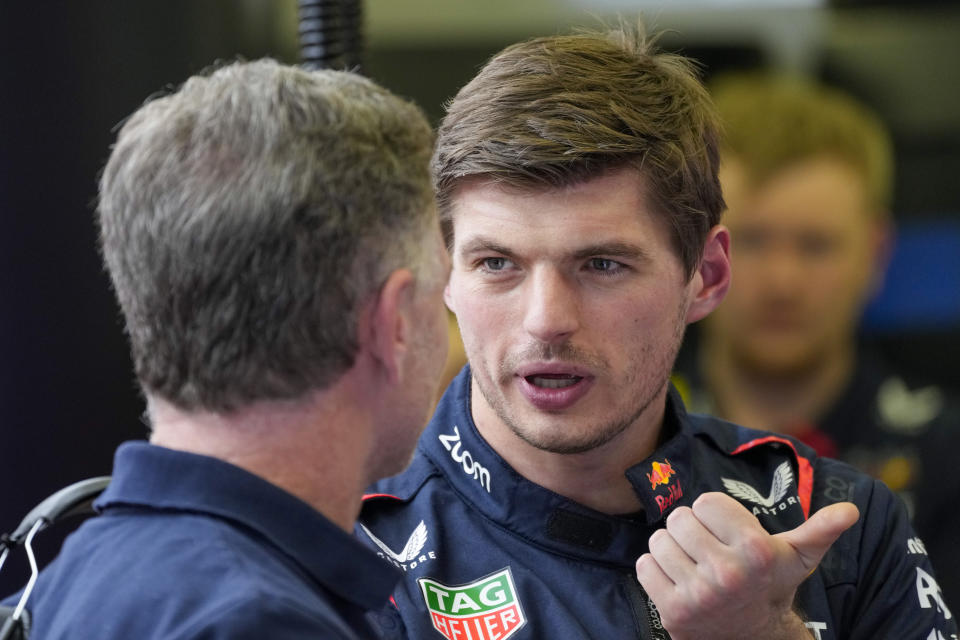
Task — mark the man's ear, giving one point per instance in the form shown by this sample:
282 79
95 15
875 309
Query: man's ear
448 299
712 279
389 332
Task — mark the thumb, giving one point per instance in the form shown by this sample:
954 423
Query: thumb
811 539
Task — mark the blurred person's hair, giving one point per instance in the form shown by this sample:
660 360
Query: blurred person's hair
244 219
772 121
560 110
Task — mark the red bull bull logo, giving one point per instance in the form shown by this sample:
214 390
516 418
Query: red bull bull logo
660 473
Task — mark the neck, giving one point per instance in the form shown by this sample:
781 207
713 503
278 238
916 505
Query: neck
312 447
594 478
786 403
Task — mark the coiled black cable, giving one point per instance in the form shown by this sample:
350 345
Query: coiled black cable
331 34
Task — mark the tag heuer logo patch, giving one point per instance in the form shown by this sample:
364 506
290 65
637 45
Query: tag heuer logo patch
487 609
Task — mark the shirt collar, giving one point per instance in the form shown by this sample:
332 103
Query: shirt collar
484 479
666 478
155 477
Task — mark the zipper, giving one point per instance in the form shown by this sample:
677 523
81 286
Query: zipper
646 618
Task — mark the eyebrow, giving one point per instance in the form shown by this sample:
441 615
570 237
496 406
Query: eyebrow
613 250
482 244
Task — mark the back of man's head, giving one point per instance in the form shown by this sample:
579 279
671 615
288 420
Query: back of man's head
560 110
773 121
245 217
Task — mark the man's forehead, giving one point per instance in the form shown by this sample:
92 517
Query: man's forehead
487 217
559 184
815 191
623 186
817 173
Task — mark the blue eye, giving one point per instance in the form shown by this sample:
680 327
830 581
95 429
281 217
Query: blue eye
604 265
495 264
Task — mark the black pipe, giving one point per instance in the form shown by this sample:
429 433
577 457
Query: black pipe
331 34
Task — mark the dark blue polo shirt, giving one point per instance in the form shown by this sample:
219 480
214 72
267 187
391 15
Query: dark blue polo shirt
188 546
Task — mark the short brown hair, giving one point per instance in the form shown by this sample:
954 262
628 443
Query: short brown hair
559 110
772 121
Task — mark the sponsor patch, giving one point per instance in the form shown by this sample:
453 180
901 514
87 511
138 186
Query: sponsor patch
915 547
816 628
451 442
929 594
774 502
662 474
487 609
410 557
904 411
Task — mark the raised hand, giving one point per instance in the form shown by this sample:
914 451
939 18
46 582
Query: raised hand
714 572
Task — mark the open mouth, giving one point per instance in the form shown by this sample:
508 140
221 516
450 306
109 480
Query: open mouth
552 380
556 390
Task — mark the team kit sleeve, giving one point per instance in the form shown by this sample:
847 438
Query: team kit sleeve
896 593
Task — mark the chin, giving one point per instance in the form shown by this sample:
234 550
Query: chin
557 439
779 363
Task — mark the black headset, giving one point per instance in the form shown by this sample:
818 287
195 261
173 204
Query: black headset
76 499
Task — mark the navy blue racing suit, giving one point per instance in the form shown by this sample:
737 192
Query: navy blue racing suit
894 428
489 555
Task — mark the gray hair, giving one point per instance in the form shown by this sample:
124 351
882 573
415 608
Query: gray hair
246 217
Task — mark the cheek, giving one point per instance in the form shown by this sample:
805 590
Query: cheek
637 321
746 279
479 310
745 297
478 322
840 282
861 278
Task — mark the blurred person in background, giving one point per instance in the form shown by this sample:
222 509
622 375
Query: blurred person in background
561 490
272 240
807 174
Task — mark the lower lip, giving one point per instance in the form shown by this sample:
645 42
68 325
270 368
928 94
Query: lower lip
554 399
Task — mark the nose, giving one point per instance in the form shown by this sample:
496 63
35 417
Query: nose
552 307
783 270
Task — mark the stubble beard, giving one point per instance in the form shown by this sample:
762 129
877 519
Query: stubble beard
645 380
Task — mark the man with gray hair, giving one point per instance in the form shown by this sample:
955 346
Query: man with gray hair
273 242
